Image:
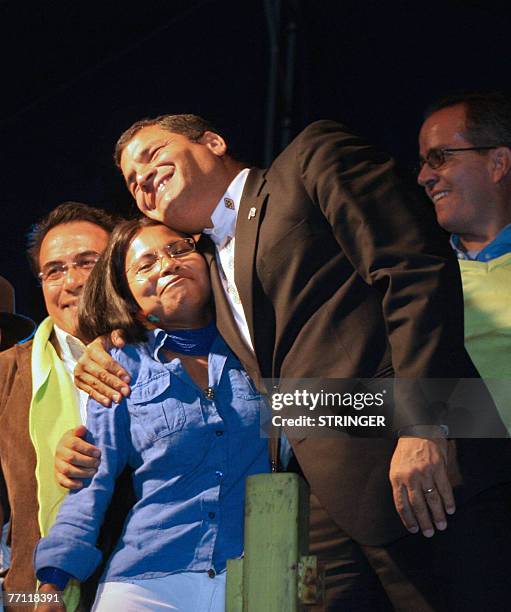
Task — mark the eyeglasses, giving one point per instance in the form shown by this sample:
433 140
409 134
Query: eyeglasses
54 273
152 262
437 157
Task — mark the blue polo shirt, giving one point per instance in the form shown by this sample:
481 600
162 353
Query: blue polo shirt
191 451
500 245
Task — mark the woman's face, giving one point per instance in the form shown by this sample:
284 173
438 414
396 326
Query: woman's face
172 292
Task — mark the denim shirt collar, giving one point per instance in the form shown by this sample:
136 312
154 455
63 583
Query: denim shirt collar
156 340
219 354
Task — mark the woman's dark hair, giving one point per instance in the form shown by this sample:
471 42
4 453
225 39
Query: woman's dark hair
107 302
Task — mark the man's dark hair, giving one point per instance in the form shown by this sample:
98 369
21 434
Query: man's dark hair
107 302
191 126
488 116
67 212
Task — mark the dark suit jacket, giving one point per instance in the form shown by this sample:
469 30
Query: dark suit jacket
344 273
17 468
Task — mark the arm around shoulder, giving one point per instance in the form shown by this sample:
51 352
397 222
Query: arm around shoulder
99 375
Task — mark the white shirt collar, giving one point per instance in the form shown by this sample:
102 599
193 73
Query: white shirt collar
71 348
226 211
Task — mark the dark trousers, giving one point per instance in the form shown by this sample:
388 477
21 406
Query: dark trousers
466 568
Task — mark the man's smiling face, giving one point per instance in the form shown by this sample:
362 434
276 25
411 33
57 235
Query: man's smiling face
65 244
461 189
174 180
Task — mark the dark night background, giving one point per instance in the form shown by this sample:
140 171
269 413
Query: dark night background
75 75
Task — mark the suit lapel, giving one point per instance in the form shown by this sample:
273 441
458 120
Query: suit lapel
252 204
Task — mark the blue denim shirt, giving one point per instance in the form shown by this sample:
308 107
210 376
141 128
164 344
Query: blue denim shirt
191 453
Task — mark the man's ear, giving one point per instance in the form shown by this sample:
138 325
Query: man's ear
501 159
215 143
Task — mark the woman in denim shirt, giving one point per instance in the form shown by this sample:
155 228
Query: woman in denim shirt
189 430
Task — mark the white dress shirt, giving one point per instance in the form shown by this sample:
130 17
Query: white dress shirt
223 235
71 349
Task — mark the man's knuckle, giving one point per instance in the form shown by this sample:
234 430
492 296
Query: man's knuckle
103 376
97 385
398 476
98 397
422 514
417 503
418 470
66 470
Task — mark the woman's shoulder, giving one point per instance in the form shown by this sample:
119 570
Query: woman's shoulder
139 362
131 357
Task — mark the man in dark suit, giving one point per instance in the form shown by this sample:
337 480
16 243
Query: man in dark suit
324 265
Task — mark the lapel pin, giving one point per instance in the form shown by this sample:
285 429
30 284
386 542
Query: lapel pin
252 212
229 203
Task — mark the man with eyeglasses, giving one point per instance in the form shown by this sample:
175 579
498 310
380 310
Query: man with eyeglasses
38 399
465 159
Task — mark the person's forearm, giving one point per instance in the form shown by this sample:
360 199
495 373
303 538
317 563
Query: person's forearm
70 545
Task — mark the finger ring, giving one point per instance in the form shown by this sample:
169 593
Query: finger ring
428 491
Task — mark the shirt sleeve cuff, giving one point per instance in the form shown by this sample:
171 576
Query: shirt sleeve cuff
424 431
54 575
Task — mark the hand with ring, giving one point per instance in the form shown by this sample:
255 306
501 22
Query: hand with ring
421 489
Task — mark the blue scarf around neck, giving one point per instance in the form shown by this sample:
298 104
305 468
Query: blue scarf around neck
191 341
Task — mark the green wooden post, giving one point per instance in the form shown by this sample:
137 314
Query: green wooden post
234 586
276 537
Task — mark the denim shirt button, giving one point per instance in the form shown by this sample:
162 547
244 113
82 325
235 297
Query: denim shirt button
209 392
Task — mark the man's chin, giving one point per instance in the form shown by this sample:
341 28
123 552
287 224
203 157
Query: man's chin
180 224
155 214
69 323
446 223
443 217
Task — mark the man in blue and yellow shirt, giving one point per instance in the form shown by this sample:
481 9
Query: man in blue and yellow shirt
38 400
465 152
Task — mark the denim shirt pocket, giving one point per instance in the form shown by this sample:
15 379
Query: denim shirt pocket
242 385
157 414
